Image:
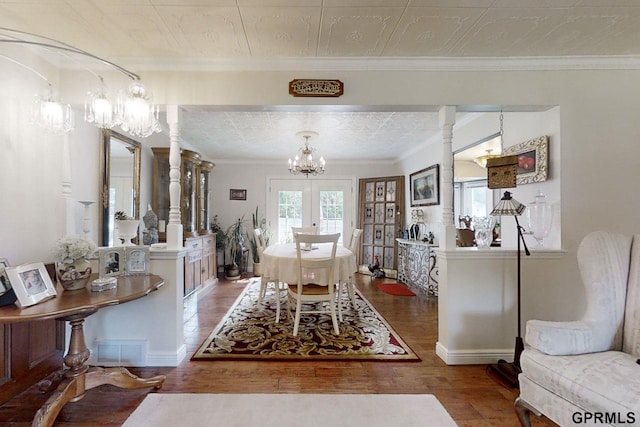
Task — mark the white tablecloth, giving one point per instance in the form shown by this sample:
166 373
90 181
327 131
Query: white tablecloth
280 261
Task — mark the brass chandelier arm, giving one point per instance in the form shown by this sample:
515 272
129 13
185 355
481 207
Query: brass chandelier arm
64 47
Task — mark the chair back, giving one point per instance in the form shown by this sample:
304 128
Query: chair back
304 230
355 240
258 236
313 270
465 237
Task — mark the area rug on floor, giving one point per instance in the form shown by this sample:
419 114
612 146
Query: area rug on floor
290 410
396 289
249 331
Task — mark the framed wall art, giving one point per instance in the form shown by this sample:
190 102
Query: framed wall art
533 160
137 258
31 284
112 262
237 194
425 186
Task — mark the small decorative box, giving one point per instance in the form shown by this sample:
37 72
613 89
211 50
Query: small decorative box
104 283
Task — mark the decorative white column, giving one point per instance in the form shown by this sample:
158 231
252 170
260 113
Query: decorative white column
174 227
67 189
86 218
447 120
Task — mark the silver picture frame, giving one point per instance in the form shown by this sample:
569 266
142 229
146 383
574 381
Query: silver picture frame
137 259
112 262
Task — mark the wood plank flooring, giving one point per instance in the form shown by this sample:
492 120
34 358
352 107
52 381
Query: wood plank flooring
469 393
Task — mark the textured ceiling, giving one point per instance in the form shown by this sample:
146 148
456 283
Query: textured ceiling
164 34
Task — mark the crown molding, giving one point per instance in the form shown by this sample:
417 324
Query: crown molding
569 63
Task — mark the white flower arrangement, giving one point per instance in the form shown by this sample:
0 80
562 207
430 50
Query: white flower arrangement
70 248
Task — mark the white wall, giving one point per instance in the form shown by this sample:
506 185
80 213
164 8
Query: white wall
251 176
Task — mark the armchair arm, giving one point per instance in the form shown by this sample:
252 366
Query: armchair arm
566 338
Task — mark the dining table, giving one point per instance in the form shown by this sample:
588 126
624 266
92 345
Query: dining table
280 264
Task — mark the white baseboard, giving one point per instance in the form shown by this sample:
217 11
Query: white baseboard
472 357
114 358
167 359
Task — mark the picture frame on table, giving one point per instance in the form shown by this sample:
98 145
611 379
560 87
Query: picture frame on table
237 194
31 284
533 160
7 294
425 186
137 260
112 262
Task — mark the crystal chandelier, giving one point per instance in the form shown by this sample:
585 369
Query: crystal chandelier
135 111
303 162
99 109
51 114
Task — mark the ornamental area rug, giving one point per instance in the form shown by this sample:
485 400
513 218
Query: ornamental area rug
249 331
289 410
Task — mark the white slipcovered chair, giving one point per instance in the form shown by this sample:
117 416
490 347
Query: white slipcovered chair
304 230
265 281
572 371
354 245
315 281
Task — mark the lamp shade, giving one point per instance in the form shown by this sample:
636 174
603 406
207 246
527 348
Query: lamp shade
508 206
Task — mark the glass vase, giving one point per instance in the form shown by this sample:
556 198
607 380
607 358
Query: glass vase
483 231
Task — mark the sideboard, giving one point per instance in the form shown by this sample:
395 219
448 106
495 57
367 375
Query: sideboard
417 265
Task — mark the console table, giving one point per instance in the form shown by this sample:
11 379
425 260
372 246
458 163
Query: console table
417 265
74 307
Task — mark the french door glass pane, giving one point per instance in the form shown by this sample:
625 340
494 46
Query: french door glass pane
331 213
289 214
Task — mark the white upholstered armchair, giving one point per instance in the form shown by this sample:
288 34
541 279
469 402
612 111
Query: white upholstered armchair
574 372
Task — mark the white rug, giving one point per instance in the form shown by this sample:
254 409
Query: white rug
289 410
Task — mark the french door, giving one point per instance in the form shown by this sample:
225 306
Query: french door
325 203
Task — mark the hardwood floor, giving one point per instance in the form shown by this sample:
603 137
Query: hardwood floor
470 395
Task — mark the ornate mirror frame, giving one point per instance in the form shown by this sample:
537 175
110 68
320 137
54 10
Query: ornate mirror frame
105 218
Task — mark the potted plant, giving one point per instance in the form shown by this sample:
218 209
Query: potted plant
235 239
127 227
73 269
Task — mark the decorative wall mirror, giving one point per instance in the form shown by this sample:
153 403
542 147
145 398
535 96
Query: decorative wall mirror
471 195
119 181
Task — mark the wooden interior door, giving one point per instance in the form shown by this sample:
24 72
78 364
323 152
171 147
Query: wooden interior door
380 201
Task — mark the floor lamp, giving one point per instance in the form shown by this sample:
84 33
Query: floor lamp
507 371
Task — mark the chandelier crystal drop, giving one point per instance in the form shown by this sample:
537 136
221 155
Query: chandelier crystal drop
136 113
303 162
52 115
99 109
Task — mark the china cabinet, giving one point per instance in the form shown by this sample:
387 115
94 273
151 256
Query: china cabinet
195 204
381 220
203 197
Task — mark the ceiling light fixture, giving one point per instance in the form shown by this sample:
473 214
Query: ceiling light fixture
48 112
482 160
134 110
304 163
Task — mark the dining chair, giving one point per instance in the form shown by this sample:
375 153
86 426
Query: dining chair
278 286
354 244
315 282
305 230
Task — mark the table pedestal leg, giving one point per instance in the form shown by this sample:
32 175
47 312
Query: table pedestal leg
80 378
